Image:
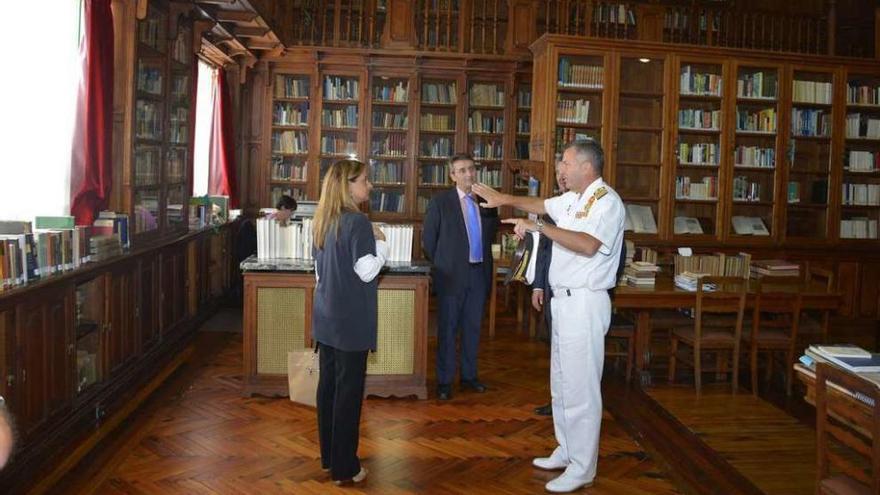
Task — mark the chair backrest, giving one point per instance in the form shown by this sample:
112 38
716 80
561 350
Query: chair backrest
778 296
847 427
727 298
814 274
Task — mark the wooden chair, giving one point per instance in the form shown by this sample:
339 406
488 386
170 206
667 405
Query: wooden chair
847 433
775 319
728 299
814 324
623 329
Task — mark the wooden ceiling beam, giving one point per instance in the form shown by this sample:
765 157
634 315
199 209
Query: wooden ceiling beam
262 45
250 32
235 16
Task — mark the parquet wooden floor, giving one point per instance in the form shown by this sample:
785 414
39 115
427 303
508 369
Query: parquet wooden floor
198 435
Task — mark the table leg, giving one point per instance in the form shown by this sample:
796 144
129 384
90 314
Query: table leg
643 345
493 296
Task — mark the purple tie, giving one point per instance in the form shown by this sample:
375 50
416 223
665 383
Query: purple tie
475 237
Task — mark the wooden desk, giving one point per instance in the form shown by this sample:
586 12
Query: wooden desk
665 295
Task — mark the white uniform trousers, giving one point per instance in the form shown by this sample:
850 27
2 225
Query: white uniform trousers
581 318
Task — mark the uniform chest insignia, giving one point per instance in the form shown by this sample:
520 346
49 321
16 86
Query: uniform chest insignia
596 195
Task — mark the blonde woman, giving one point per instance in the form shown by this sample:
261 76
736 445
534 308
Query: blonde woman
349 252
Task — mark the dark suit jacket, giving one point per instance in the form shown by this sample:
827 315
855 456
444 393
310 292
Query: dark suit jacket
445 241
542 264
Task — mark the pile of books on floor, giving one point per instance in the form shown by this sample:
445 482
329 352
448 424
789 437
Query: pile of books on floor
688 281
775 268
640 274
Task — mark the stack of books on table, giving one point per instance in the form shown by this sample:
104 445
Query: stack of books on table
846 356
775 268
688 281
640 274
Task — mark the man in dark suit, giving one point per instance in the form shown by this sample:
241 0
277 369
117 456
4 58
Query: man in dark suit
457 238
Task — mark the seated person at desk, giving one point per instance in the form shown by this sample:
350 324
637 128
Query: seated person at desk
285 207
247 231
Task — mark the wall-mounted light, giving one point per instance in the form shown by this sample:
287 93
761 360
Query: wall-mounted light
644 60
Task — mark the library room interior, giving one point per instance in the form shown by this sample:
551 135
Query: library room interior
441 246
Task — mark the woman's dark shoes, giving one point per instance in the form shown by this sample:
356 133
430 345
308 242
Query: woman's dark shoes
444 392
546 410
474 385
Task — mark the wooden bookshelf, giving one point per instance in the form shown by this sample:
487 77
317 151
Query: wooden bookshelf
341 117
860 204
158 188
291 151
522 127
440 112
487 121
750 188
390 152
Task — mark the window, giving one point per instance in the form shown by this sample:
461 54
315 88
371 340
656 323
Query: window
38 101
205 95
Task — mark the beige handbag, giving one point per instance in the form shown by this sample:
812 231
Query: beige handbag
302 376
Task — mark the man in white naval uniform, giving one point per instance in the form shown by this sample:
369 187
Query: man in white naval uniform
587 240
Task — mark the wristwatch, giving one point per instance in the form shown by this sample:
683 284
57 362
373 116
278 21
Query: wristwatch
539 225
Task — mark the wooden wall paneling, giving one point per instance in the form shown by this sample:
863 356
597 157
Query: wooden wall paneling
399 30
869 289
848 286
193 280
147 308
8 350
121 340
29 403
59 350
521 26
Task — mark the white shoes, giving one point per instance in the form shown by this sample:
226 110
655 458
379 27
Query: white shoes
361 476
549 463
566 483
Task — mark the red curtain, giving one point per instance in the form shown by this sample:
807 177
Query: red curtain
221 177
91 176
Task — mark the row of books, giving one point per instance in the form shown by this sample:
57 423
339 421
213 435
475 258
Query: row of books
746 190
692 82
151 32
754 156
390 172
291 86
523 98
863 161
565 135
444 93
760 121
399 238
707 188
290 142
293 240
286 113
862 126
437 122
613 13
477 122
433 175
436 148
388 201
180 86
340 117
147 165
861 194
340 88
338 145
717 264
390 120
858 228
575 75
148 122
810 122
286 169
756 85
699 118
818 191
812 92
523 124
862 94
399 93
573 111
180 47
487 150
698 153
489 176
389 145
149 80
488 95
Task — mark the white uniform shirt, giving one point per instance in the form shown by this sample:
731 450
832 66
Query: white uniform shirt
604 221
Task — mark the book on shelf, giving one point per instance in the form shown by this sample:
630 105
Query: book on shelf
640 219
858 228
686 225
54 222
15 227
749 226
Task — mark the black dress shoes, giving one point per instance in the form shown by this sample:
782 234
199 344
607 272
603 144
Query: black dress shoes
473 385
546 410
444 392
